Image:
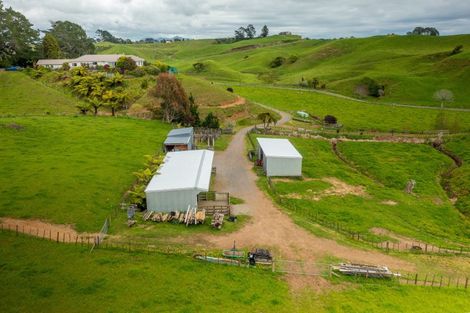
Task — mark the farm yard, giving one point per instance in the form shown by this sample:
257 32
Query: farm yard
389 186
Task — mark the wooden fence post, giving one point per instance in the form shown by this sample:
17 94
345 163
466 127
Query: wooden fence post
57 237
416 279
440 283
466 283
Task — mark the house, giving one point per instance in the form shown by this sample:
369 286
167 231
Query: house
89 60
179 139
53 64
182 176
279 157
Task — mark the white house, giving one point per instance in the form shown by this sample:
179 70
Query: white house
89 60
54 64
182 176
279 157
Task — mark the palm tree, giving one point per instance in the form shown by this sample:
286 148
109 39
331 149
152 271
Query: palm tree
267 118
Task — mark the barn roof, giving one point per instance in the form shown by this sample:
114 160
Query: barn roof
280 148
183 170
52 61
180 131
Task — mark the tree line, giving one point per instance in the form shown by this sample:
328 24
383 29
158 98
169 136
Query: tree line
244 33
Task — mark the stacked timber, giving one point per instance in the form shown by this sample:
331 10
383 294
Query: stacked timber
190 217
364 270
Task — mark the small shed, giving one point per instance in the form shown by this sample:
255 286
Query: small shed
182 176
279 157
179 139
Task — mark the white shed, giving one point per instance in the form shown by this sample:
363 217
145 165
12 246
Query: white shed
182 176
279 157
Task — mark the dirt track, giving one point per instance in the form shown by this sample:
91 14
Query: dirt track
269 227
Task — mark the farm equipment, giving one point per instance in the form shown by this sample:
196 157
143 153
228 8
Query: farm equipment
372 271
217 220
217 260
260 256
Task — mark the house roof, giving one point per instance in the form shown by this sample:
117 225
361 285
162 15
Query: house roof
52 61
183 170
180 131
104 58
280 148
175 140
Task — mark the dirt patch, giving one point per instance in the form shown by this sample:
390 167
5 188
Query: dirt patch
244 48
338 188
389 202
230 104
42 229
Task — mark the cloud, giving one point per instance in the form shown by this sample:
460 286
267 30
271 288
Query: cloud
137 19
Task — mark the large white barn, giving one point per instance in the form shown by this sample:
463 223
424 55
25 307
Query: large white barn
279 157
182 176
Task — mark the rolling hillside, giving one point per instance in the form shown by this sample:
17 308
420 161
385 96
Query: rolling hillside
412 68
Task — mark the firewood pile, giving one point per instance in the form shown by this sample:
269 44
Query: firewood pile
190 217
217 220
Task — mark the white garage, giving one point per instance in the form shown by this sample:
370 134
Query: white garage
279 157
182 176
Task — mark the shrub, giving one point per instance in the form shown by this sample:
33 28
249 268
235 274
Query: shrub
292 59
230 89
199 67
161 66
330 119
65 66
137 72
124 64
144 84
456 50
373 88
211 121
151 70
278 61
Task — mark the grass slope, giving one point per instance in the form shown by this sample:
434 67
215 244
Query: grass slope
41 276
20 95
352 114
411 67
427 215
71 170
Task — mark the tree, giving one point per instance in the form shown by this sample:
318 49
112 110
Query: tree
115 99
428 31
330 119
193 117
240 33
278 61
174 103
18 40
444 96
211 121
104 35
50 47
264 31
267 118
72 39
125 64
250 31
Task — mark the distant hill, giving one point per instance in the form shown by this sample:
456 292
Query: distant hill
412 68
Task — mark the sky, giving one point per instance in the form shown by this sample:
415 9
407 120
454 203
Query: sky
137 19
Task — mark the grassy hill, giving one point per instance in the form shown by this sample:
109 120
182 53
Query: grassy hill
411 67
20 95
58 169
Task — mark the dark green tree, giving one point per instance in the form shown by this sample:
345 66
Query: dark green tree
18 39
250 31
211 121
240 33
264 31
50 47
73 40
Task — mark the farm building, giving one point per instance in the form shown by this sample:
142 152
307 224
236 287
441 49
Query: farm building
179 139
53 64
279 157
182 176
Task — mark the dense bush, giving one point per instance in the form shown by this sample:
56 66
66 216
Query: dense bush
292 59
330 119
369 87
211 121
278 61
230 89
151 70
199 67
125 64
137 72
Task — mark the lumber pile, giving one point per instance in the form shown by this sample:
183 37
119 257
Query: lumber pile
192 216
217 220
364 270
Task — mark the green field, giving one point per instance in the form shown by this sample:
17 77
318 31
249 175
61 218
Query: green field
21 95
384 169
412 68
71 170
41 276
355 115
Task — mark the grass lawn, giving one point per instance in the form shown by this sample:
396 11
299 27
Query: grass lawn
352 114
41 276
427 215
71 170
19 94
